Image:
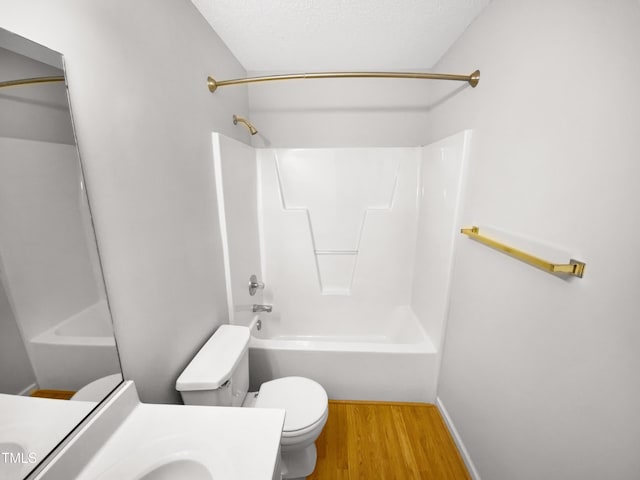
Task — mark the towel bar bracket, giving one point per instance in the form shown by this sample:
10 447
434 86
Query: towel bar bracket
578 268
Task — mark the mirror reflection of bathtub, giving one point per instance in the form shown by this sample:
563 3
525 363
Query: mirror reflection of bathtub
77 351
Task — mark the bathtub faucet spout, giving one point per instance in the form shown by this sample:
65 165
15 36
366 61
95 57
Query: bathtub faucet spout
262 308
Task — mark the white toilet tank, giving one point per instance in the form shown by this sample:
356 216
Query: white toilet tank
219 373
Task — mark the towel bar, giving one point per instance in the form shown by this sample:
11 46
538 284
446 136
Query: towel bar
574 267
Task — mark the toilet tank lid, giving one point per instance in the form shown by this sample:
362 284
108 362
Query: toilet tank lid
216 360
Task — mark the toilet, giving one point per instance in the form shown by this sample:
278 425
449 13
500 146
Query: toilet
219 376
97 390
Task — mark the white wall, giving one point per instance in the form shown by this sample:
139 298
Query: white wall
16 373
339 112
237 193
339 230
540 374
440 193
137 76
47 264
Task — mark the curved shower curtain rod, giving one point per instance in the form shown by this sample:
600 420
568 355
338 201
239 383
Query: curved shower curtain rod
31 81
472 79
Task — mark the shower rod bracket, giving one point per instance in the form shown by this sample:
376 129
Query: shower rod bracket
472 79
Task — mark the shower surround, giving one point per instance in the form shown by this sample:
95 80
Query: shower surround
355 247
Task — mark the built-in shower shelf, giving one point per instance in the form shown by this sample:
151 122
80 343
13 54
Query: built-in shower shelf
335 270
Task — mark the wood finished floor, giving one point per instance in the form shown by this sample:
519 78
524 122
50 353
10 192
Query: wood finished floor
386 441
56 394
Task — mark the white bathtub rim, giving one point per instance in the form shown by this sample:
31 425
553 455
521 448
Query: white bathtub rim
52 337
324 344
345 343
47 338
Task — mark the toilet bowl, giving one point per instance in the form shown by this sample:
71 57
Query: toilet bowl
97 390
219 375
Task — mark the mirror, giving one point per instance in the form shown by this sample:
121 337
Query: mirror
56 332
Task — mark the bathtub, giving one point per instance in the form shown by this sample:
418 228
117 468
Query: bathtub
76 351
398 365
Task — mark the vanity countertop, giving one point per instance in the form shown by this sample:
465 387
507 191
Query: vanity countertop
31 427
231 443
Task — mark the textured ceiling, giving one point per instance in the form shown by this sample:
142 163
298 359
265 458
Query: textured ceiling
313 35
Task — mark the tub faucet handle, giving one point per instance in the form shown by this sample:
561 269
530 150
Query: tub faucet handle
254 285
262 308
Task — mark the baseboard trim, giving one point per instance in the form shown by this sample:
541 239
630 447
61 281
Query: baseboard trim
383 402
456 437
27 391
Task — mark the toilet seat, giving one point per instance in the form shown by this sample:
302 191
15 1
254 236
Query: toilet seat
304 400
301 436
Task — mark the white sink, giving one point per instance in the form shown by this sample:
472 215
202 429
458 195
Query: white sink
11 461
165 469
179 469
171 442
168 458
